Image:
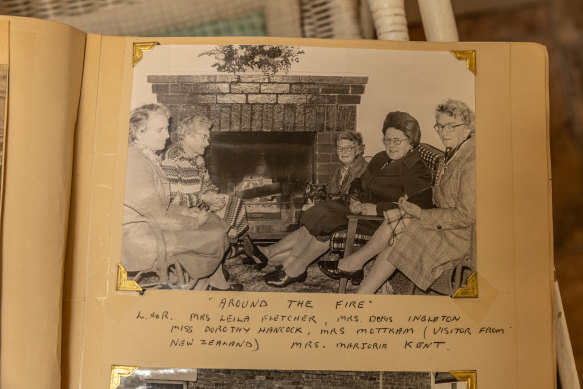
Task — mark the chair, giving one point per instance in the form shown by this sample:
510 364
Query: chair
162 266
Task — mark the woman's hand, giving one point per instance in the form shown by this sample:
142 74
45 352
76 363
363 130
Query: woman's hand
203 216
196 218
369 209
409 208
215 201
355 206
218 204
208 197
309 204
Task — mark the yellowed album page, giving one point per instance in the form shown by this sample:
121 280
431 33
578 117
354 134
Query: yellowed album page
4 55
495 332
45 71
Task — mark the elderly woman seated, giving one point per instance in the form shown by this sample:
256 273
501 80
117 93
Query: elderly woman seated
194 238
431 238
190 184
395 172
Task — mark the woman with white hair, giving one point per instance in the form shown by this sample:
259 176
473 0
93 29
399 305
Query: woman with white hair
190 183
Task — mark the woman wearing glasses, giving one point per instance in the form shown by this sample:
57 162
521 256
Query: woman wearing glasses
190 184
433 237
395 172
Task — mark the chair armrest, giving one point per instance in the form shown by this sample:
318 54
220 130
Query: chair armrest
351 230
363 217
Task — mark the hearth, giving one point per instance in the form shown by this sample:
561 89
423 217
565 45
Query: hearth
269 170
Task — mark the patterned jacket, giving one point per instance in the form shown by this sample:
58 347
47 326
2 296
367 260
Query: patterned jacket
443 234
188 177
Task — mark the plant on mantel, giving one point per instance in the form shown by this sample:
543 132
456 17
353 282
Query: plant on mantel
268 59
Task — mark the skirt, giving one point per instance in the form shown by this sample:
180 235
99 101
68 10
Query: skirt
329 216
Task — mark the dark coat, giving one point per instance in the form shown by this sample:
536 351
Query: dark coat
383 183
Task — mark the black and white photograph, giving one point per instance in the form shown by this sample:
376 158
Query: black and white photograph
145 378
301 169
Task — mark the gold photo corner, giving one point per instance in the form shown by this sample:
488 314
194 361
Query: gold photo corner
120 371
139 49
471 290
469 56
123 283
469 376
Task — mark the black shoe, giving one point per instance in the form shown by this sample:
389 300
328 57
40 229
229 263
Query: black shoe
231 288
330 268
248 261
279 278
234 250
276 270
251 262
254 253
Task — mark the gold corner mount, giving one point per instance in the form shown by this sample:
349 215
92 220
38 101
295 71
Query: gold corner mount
123 283
139 49
469 56
471 291
117 372
469 376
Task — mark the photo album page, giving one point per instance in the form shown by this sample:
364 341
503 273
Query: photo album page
312 211
273 212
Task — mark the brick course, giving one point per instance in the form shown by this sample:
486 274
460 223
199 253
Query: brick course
274 88
245 87
261 99
292 99
232 98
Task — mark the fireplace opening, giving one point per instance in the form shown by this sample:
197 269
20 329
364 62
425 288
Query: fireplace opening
269 170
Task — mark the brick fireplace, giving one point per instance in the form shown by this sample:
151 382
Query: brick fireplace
255 105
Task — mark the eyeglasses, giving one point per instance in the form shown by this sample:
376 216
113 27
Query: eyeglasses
345 148
203 136
395 141
449 127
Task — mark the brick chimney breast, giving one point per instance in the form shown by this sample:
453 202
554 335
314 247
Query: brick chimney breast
257 102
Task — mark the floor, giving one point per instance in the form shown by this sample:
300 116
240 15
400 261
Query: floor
253 280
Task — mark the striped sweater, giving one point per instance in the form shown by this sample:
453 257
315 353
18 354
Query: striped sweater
188 177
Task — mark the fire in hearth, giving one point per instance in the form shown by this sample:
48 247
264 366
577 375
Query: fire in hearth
269 171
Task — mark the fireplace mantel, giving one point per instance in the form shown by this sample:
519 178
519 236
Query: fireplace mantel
256 102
